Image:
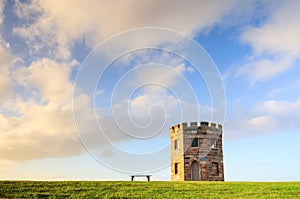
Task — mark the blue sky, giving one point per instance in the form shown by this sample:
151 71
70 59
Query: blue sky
62 118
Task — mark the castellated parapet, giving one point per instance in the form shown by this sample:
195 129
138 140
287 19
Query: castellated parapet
197 152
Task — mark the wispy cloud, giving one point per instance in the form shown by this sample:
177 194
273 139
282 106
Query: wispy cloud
275 42
263 118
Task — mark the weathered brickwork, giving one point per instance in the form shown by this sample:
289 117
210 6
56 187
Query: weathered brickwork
196 152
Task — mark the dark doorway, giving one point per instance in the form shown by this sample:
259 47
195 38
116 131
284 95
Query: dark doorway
195 171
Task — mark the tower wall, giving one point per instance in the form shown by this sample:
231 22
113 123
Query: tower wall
208 154
177 155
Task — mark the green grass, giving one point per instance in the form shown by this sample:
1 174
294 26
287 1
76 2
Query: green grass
104 189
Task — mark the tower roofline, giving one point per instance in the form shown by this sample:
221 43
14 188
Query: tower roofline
196 125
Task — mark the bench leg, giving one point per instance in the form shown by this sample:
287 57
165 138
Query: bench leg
148 177
132 178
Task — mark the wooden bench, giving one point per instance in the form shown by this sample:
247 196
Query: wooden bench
147 176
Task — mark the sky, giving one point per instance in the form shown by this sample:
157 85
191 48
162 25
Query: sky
89 89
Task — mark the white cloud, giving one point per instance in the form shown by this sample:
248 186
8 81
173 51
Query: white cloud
38 121
42 131
275 43
59 24
33 130
279 34
167 77
264 69
49 77
277 114
264 118
259 120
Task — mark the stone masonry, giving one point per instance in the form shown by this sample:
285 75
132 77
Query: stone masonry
196 152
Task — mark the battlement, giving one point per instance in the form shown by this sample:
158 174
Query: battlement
194 126
175 127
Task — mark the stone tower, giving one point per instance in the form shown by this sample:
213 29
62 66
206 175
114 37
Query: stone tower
196 152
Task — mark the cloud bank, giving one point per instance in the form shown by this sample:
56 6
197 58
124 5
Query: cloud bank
36 116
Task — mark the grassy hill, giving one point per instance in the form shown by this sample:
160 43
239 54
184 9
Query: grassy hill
124 189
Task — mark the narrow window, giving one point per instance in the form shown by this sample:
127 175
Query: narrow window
215 169
194 142
176 168
214 143
176 144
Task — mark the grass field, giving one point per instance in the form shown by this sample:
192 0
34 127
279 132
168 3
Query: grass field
122 189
